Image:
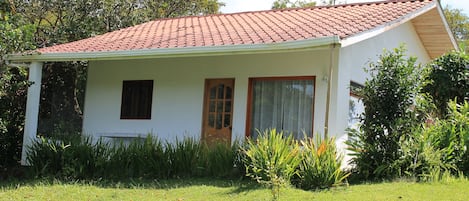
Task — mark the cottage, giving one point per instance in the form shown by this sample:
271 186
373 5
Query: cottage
222 77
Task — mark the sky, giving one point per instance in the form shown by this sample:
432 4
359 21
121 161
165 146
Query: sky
253 5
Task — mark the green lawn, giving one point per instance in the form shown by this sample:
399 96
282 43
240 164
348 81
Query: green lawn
226 191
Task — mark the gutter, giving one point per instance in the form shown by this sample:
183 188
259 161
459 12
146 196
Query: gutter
307 44
17 65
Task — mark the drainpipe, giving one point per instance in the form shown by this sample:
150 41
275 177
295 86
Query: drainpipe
329 84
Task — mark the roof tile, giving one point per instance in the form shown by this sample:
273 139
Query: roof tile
272 26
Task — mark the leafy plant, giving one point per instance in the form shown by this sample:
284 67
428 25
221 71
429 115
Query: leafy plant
320 165
73 157
272 159
219 160
141 158
388 97
16 35
449 79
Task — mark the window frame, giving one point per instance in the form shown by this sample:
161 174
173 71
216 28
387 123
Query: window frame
281 78
353 93
124 106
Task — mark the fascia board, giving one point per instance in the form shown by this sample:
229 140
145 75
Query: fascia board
448 29
385 27
317 43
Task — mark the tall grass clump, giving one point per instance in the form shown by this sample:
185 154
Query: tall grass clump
220 160
320 165
149 158
141 158
74 157
184 157
272 159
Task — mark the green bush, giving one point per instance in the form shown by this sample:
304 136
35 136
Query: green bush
388 97
272 159
320 165
448 79
421 159
438 148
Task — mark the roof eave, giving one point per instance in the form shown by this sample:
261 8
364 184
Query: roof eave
448 29
316 43
393 24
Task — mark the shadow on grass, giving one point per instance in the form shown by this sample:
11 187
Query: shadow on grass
239 185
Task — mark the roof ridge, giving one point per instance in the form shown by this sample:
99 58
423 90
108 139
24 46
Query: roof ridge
290 9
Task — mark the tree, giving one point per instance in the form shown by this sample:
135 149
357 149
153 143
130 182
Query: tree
332 2
281 4
16 36
448 80
388 97
459 25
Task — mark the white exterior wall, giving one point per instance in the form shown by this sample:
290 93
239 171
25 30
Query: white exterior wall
179 90
354 58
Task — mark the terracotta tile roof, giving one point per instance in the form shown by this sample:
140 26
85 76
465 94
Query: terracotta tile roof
273 26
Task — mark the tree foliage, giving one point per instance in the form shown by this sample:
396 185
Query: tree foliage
16 35
281 4
449 80
459 25
388 97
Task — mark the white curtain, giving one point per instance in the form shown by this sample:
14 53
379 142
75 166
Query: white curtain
282 104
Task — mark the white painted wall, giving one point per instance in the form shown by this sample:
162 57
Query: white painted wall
179 85
179 89
354 58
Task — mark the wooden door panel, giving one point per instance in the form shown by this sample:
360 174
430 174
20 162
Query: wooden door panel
218 110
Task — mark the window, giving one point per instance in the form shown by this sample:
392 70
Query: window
284 103
136 99
356 107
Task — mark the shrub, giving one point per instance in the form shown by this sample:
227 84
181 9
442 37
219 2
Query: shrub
439 148
320 165
388 96
13 88
272 159
448 79
421 159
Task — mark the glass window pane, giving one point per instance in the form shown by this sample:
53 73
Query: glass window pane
221 91
213 93
229 93
227 106
219 106
283 104
227 121
219 121
136 99
212 106
211 120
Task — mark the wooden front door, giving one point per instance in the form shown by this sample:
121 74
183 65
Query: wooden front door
218 110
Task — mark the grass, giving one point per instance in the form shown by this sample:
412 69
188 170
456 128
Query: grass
204 189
